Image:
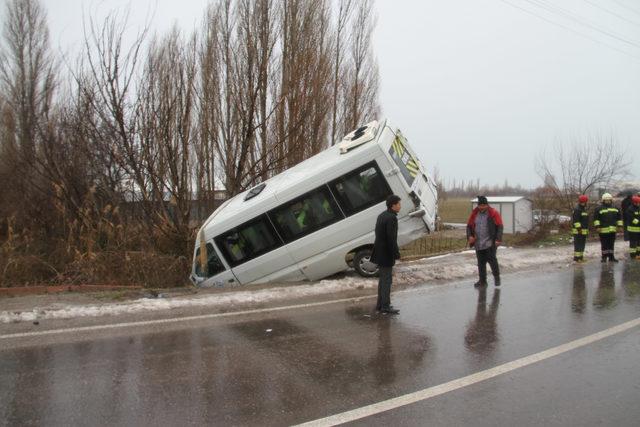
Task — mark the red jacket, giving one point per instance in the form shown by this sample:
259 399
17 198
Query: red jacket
495 224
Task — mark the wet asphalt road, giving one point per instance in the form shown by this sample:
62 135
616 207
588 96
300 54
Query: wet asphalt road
293 366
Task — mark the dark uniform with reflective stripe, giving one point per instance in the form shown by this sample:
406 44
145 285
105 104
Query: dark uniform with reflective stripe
633 228
606 219
580 230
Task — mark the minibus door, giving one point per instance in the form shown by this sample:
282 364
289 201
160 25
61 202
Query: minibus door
425 190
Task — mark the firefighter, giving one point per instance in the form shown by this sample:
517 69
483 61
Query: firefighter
580 228
607 219
633 227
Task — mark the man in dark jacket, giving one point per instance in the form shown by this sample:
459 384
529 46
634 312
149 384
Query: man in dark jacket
580 228
484 232
386 252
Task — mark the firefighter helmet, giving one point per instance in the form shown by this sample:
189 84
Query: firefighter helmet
635 200
607 197
583 199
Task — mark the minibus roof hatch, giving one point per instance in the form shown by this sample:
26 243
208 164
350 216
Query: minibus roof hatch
358 137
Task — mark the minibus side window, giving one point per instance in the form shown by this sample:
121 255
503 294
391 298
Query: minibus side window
306 214
360 189
213 267
405 161
248 241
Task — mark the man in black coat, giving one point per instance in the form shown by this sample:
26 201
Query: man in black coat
386 252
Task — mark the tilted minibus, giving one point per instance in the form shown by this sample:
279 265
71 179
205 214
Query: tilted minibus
318 217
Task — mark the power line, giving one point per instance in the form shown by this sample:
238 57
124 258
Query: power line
626 6
570 29
612 12
578 19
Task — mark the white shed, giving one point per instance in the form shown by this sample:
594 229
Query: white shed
516 212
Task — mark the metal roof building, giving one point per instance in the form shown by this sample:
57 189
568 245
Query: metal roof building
516 212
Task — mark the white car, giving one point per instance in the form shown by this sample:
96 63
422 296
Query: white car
545 216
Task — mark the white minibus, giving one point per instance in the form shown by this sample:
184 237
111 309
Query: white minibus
318 217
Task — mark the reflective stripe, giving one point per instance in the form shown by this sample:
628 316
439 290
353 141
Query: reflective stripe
398 147
582 231
577 225
635 221
596 222
413 168
619 223
604 211
585 213
607 230
633 229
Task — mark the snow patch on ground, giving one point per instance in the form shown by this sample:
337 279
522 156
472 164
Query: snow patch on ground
442 268
229 299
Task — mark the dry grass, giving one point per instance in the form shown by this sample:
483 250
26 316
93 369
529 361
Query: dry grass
454 210
111 254
437 243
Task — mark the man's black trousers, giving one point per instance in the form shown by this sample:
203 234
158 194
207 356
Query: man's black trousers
579 243
607 242
634 244
487 256
384 288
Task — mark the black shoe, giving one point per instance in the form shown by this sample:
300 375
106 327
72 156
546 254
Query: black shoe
390 310
603 259
612 259
480 284
496 282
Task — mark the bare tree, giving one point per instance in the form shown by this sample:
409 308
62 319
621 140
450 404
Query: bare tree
305 80
361 87
166 112
237 56
345 9
27 81
107 83
582 165
266 70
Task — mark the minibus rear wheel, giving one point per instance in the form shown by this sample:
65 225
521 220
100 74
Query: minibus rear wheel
363 265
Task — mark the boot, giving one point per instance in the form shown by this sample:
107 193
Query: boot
604 258
480 284
496 281
613 258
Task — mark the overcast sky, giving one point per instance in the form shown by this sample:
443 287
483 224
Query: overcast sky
477 86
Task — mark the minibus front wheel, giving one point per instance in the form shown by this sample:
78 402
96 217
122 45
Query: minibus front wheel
363 265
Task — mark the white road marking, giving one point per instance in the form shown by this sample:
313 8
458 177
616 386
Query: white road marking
477 377
200 317
177 319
